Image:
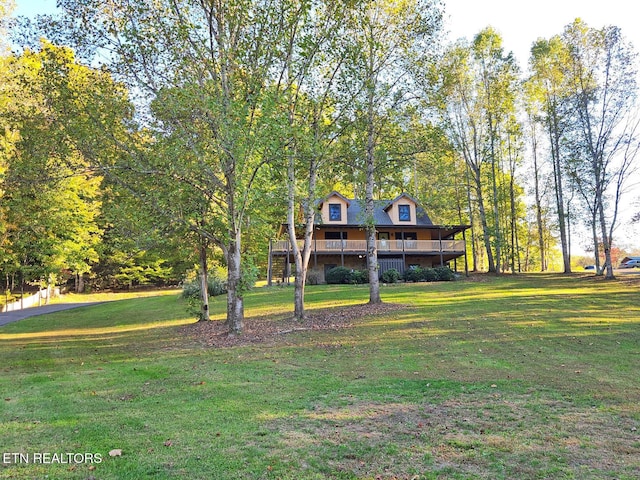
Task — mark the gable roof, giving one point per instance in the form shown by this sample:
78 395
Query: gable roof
402 195
356 209
334 194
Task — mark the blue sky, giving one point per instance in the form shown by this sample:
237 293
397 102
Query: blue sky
30 8
520 24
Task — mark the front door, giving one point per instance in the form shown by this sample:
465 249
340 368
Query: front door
383 241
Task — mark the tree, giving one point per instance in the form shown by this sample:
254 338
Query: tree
387 37
52 198
317 55
601 89
548 87
207 74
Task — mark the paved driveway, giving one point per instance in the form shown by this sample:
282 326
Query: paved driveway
16 315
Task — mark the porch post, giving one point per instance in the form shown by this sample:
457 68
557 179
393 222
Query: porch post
341 248
285 275
466 262
315 249
440 241
404 255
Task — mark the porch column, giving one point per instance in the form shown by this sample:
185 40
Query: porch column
440 241
466 262
341 247
285 274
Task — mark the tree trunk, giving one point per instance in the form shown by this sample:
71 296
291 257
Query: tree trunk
557 177
474 250
204 282
372 250
543 266
483 221
606 241
235 302
496 208
80 283
301 257
596 244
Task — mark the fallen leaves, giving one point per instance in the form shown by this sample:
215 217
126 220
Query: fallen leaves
268 330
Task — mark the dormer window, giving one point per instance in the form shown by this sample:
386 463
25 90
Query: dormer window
404 213
335 212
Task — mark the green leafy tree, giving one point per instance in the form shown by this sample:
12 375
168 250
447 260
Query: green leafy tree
51 197
387 37
547 88
602 92
207 74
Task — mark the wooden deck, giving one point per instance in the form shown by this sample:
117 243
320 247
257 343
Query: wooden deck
356 247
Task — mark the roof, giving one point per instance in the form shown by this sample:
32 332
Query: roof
356 209
402 195
335 194
356 214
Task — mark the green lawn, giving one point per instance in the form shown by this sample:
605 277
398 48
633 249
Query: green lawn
519 377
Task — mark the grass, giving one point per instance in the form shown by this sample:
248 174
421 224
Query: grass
527 377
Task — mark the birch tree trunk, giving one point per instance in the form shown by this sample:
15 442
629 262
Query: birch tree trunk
204 283
372 250
235 303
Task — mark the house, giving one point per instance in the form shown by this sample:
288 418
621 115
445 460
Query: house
406 237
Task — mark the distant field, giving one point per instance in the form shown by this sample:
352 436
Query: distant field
518 377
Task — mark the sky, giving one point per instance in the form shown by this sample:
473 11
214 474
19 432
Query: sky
520 24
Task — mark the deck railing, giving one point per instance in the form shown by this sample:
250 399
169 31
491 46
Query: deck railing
384 246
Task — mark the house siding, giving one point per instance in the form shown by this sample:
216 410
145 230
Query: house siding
324 211
342 242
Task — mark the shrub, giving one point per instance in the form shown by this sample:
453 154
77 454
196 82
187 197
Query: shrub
337 275
412 274
428 275
445 274
313 277
215 286
419 274
391 276
191 293
358 277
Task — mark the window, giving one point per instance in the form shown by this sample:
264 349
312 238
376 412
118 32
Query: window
404 213
335 212
335 235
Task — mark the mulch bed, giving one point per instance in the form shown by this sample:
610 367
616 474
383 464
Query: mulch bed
270 330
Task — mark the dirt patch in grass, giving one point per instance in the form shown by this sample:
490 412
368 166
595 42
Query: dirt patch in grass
261 330
484 436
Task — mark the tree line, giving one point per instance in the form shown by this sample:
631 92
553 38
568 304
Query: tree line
145 139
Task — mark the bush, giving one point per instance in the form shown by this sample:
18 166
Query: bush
337 275
340 275
191 293
313 277
412 274
215 287
391 276
445 274
428 275
419 274
358 277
